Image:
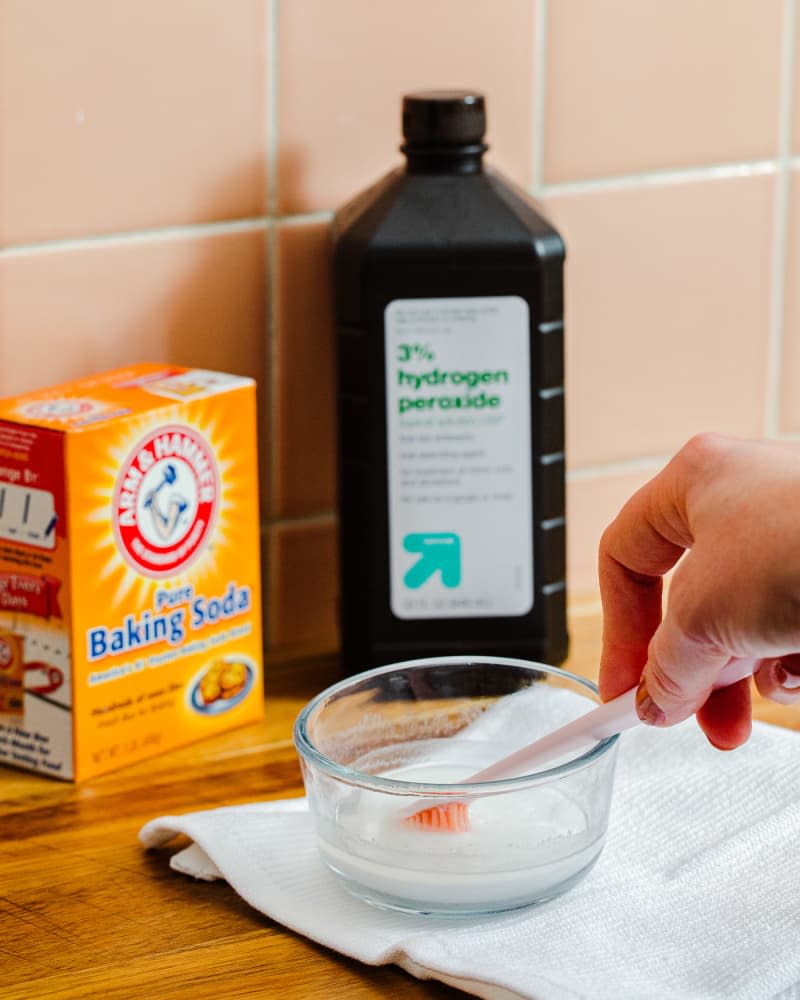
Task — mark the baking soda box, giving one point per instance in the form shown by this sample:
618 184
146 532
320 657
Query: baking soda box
129 567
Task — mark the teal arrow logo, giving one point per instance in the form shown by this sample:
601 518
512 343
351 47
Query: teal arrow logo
439 552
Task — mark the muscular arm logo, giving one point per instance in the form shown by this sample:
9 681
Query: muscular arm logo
165 499
165 521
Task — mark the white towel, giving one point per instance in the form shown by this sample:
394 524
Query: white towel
696 895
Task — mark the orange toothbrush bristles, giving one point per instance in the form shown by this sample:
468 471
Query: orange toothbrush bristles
452 817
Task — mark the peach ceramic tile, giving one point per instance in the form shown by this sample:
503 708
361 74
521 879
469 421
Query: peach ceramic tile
795 88
197 301
120 116
344 66
592 504
304 412
635 86
667 314
303 584
790 367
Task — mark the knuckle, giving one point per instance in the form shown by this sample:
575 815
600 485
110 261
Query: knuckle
707 447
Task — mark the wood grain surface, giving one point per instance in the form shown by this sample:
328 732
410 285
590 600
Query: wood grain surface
86 913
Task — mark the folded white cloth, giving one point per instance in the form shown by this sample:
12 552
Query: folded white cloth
696 896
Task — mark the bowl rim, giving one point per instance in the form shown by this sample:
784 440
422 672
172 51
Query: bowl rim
309 753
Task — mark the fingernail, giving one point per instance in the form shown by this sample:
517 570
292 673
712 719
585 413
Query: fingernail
646 708
784 678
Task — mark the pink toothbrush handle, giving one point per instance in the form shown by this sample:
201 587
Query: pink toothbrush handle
614 716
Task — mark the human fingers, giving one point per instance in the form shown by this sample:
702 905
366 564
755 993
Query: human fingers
644 541
631 614
726 716
636 550
683 661
779 679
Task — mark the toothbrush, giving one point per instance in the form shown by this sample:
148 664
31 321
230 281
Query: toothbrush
606 720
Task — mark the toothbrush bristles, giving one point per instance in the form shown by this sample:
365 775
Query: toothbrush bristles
452 817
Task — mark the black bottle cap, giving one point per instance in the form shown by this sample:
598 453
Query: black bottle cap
444 118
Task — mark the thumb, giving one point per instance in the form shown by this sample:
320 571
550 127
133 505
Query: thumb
678 676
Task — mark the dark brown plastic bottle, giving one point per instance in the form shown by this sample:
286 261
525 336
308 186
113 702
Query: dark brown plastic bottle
450 335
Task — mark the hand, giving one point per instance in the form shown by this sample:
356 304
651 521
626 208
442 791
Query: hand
728 513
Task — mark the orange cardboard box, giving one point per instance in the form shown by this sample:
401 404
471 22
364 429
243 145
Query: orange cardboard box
130 606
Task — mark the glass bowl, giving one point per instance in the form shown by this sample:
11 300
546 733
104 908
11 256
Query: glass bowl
380 746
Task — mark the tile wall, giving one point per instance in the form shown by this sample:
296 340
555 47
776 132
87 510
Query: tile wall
168 170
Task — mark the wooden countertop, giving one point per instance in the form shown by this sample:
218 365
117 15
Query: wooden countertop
85 912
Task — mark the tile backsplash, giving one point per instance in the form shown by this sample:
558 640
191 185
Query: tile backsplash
130 115
168 171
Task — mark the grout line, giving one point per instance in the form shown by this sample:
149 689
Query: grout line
161 234
589 472
254 223
539 91
780 243
273 360
192 230
271 134
267 435
270 596
306 219
652 178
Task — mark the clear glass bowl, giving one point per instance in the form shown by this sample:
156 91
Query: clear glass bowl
379 746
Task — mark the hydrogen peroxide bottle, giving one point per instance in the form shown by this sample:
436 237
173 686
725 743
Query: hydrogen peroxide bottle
450 337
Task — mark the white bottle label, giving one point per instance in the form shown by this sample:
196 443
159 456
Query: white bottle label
458 419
